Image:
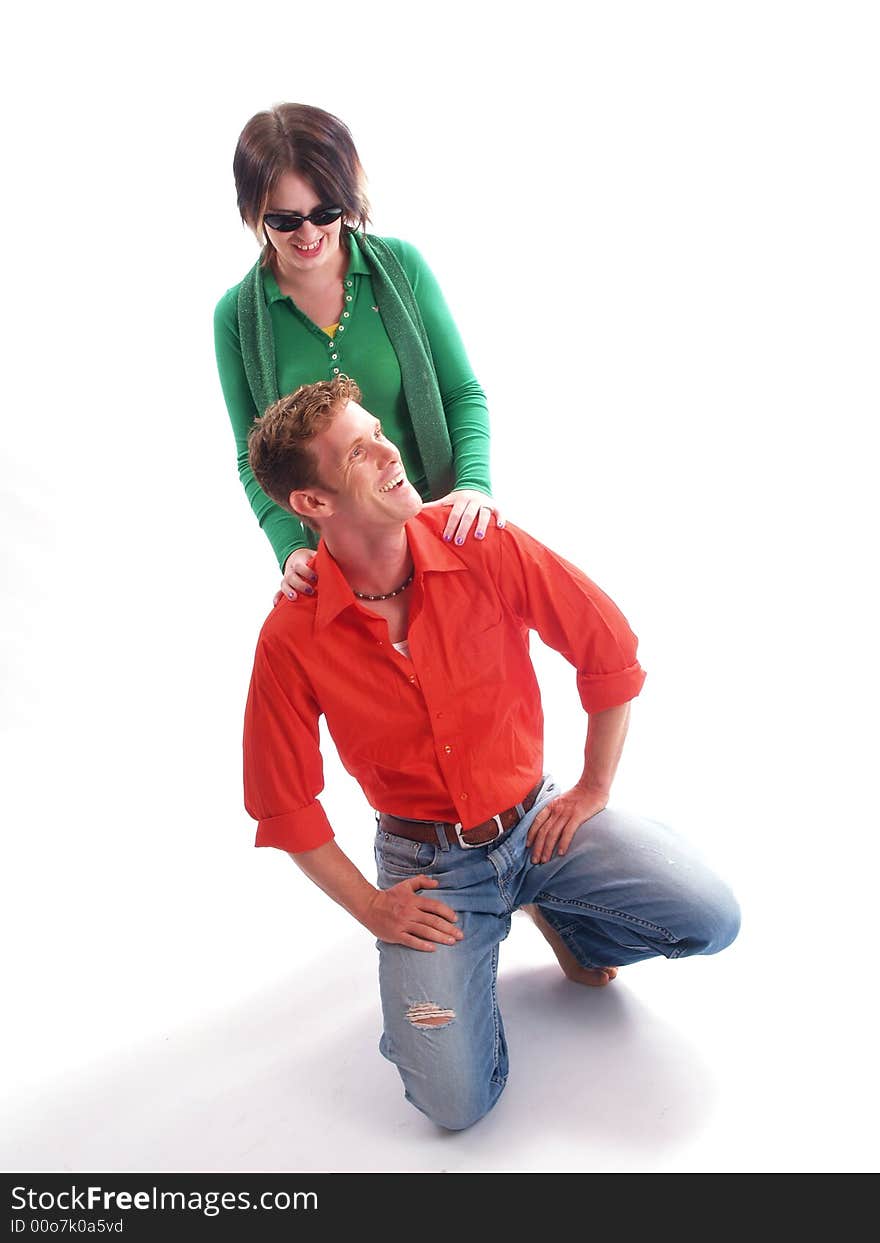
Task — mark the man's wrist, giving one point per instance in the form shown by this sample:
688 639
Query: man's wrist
594 789
361 907
333 872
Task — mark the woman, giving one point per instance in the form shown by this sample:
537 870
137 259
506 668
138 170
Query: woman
326 299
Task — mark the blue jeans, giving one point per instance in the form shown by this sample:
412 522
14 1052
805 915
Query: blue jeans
628 889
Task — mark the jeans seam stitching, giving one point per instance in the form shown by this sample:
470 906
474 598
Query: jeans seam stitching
593 908
497 1050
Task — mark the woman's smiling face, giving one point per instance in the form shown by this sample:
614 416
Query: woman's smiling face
311 246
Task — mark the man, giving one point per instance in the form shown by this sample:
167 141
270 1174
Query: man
417 654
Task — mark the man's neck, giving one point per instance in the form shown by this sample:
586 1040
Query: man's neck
372 562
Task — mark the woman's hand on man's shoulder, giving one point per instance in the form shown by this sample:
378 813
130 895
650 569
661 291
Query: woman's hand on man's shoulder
299 577
469 507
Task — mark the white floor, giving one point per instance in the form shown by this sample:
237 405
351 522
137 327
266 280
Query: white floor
748 1061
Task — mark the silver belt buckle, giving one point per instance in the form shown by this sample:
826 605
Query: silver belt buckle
476 845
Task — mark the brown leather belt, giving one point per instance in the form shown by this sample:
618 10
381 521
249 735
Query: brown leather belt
479 835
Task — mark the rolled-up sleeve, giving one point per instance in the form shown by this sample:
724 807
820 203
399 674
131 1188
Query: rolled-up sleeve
283 772
573 616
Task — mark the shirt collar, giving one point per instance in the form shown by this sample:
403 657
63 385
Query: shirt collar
357 263
429 551
357 266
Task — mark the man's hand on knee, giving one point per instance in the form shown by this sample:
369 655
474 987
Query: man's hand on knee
556 824
402 916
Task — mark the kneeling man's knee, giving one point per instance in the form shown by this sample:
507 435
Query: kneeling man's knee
717 922
456 1111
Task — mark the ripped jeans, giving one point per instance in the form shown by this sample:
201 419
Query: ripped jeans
628 889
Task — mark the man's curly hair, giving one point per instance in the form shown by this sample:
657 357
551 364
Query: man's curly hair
278 443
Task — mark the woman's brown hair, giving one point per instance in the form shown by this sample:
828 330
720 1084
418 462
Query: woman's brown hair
317 146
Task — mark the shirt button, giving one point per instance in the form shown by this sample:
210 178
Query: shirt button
412 677
330 345
348 284
345 314
448 749
334 357
336 371
342 327
348 297
464 797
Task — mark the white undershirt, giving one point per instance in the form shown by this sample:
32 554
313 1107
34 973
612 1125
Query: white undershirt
403 648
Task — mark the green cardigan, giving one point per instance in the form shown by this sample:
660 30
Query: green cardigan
376 331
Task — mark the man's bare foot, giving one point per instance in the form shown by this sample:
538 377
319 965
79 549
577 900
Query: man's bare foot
594 977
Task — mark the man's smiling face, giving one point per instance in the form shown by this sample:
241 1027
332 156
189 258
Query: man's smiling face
363 471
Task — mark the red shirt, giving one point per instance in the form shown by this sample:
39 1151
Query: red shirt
455 733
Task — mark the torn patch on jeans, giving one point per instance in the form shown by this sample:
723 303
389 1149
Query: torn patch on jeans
429 1014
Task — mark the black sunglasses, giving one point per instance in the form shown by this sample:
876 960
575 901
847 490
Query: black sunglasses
290 221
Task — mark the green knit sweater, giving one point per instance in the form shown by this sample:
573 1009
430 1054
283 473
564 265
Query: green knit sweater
362 349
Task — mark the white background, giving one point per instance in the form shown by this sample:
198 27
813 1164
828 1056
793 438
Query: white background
656 225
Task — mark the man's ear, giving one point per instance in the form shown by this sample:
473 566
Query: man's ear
312 505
